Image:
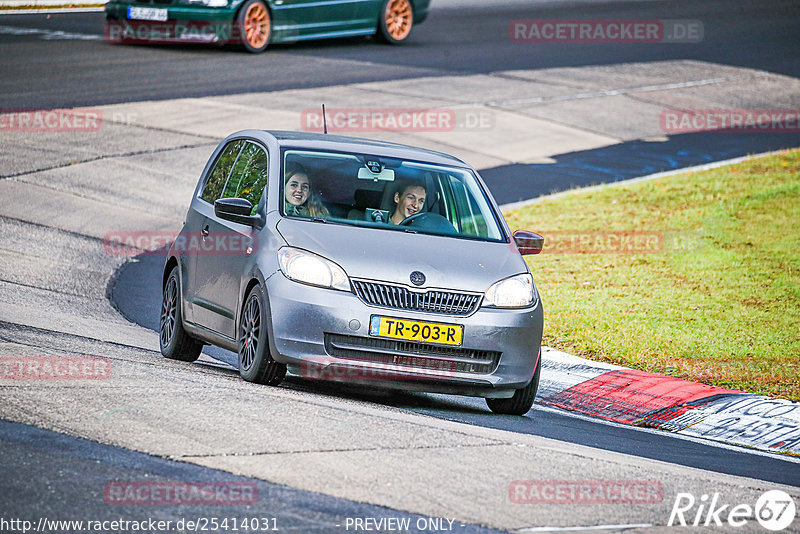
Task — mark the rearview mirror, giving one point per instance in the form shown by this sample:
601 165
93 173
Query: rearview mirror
385 175
528 242
237 210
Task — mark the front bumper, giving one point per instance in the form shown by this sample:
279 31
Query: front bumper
119 11
421 10
184 24
309 325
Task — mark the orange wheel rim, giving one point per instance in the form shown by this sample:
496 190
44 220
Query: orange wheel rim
398 19
256 25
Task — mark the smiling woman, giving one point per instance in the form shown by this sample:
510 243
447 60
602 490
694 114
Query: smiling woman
254 24
300 199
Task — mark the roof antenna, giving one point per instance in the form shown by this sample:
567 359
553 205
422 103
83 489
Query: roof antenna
324 120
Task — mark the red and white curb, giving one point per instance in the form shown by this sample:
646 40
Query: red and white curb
689 408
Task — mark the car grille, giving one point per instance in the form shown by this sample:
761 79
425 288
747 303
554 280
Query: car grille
409 354
403 298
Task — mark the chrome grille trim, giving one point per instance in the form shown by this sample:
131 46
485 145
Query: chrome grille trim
399 297
411 354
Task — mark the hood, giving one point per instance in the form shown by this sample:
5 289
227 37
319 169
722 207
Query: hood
391 256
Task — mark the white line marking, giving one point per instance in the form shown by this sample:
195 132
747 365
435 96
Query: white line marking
49 35
583 529
601 93
608 92
55 11
50 3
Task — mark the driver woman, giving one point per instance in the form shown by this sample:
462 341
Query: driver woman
300 198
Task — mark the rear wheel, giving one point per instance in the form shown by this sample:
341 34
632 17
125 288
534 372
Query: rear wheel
396 20
255 361
255 26
523 398
175 343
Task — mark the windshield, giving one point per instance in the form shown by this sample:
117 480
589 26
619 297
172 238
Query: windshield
388 193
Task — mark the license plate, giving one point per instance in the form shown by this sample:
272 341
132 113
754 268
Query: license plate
393 328
147 13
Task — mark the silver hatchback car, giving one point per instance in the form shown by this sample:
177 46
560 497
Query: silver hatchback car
352 260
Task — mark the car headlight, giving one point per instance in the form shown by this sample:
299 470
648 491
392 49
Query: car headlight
514 292
308 268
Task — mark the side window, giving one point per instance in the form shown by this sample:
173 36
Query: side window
249 175
219 174
470 217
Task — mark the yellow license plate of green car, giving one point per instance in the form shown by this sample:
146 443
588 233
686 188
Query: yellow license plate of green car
394 328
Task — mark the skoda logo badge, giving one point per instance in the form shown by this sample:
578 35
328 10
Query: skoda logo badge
417 278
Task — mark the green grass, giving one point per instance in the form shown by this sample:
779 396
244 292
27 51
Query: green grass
717 301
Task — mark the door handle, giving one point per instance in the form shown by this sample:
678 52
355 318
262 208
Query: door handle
204 232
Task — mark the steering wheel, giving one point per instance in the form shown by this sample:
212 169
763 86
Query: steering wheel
412 218
431 222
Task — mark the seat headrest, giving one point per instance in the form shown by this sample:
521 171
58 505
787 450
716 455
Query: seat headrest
367 198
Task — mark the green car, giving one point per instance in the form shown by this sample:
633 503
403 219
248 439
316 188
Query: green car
256 23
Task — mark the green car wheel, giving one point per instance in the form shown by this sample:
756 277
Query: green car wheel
396 20
255 26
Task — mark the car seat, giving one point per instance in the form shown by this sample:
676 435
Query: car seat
363 199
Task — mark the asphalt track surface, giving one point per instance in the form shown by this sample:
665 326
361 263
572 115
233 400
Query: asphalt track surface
459 37
41 69
623 161
84 468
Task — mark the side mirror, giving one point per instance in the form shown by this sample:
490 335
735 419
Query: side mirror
237 210
528 242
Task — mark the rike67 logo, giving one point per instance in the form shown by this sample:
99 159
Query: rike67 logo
774 510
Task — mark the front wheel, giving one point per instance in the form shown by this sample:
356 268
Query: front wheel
255 361
396 20
255 26
175 343
523 398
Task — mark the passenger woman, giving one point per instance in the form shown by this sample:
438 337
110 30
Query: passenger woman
300 197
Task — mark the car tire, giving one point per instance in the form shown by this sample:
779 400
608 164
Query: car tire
175 342
395 22
255 361
523 398
255 26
